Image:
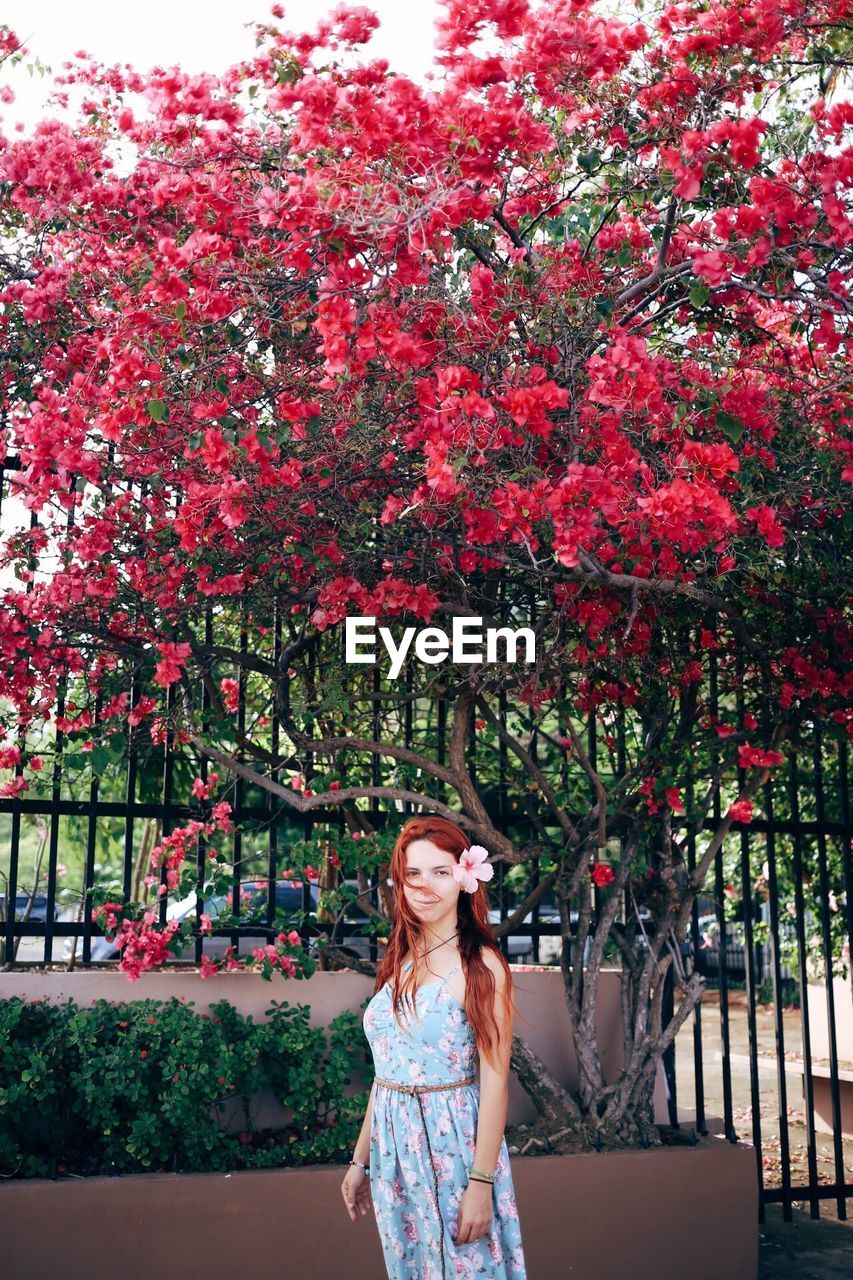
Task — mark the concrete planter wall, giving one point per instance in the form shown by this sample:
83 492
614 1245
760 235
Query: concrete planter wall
542 1018
818 1022
621 1215
819 1033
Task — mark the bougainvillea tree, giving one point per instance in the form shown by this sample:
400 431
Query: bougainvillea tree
559 341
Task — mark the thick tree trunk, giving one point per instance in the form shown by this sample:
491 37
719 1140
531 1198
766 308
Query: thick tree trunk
554 1104
564 1116
603 1115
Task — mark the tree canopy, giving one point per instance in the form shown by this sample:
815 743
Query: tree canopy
559 339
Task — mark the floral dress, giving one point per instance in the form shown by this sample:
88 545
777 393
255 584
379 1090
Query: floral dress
417 1234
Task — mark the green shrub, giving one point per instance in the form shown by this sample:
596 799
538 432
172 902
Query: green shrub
143 1086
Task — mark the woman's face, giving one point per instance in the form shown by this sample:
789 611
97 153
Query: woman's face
430 889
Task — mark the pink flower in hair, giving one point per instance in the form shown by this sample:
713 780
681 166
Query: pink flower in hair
472 866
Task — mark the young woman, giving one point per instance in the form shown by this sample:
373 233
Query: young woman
432 1144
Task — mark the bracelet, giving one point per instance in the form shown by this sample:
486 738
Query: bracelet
365 1167
481 1176
488 1181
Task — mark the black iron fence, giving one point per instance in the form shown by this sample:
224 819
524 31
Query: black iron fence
776 1078
789 981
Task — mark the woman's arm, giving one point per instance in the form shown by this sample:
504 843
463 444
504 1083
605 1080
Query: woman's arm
361 1150
494 1075
355 1187
475 1207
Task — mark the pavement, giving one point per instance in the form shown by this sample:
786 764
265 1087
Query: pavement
768 1088
805 1248
802 1248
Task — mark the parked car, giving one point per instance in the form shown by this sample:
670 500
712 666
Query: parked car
37 912
288 900
708 958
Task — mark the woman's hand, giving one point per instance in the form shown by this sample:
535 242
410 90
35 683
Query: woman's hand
475 1213
355 1189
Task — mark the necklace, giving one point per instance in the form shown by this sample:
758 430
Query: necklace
435 948
440 944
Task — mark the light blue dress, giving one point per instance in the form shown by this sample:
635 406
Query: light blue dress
417 1234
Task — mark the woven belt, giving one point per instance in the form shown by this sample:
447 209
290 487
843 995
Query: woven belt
424 1088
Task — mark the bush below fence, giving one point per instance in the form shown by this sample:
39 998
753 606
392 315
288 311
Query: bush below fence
154 1085
542 1020
291 1083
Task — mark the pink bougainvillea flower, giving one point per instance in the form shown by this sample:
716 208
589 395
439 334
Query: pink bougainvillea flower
673 799
473 867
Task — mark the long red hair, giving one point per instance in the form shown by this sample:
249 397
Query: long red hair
475 935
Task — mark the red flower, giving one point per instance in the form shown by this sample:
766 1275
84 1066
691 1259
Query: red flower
754 757
673 799
766 520
602 875
741 811
171 664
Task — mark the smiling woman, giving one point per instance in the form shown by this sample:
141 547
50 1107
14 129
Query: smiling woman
438 1163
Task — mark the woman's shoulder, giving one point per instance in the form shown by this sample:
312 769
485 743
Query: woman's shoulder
494 962
503 990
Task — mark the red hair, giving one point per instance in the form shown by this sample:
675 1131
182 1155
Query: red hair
475 934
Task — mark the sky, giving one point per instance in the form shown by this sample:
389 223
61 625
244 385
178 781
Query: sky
197 35
169 32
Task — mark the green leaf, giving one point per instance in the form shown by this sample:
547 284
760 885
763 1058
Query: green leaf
731 426
588 160
180 310
699 295
100 759
157 410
